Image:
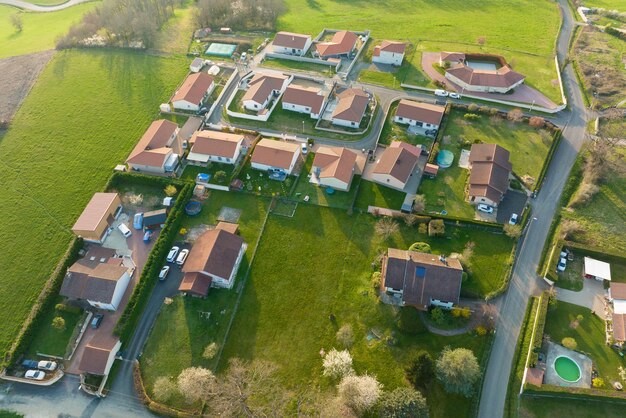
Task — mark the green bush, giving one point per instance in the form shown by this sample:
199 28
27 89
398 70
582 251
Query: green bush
540 325
61 307
422 247
471 116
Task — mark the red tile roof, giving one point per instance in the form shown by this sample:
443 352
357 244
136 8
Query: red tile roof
304 96
274 153
95 211
151 149
214 252
490 169
393 46
291 40
503 77
262 85
398 160
342 43
335 162
216 143
422 112
193 88
196 283
351 105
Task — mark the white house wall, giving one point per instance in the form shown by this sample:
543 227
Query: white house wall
264 167
334 183
292 51
346 123
387 180
185 105
300 109
147 168
391 58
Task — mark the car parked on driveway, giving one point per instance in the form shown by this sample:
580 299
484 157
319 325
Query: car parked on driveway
30 364
164 272
35 375
513 220
47 365
124 230
171 256
454 96
441 93
138 220
485 208
562 264
182 257
96 320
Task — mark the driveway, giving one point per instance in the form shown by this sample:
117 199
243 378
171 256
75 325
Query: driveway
592 296
513 202
37 8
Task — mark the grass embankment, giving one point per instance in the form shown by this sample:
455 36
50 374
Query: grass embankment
517 32
40 30
83 117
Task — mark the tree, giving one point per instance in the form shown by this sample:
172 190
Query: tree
421 370
436 227
403 403
419 203
569 342
220 176
552 300
58 323
164 388
345 336
196 383
16 21
515 115
513 231
359 392
170 190
210 351
386 227
467 254
458 371
597 382
337 364
537 122
376 277
437 315
422 247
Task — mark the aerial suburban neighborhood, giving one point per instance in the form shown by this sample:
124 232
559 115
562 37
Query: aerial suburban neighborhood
298 208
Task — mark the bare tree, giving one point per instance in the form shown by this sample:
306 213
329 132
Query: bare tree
360 392
164 388
16 21
196 383
515 115
337 364
386 227
419 203
345 335
537 122
513 231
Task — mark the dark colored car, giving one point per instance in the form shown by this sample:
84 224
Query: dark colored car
30 364
96 320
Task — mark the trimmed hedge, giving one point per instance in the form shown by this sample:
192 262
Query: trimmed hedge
540 322
127 322
574 393
607 256
44 302
555 144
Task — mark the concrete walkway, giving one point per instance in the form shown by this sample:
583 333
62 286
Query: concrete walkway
37 8
592 296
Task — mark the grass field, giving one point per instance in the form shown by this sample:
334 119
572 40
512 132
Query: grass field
396 132
84 115
607 4
525 27
589 335
48 340
283 64
374 194
40 29
571 408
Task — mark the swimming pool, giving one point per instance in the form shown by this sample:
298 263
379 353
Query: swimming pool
445 158
221 50
567 369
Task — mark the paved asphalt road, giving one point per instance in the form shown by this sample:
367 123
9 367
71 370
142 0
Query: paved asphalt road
36 8
524 281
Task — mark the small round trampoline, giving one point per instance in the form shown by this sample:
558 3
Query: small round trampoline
193 208
445 158
330 190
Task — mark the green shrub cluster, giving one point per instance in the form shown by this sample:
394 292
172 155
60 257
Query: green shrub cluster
61 307
127 322
540 325
573 392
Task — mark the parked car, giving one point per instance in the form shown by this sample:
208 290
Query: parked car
47 365
182 257
485 208
441 93
35 374
124 230
243 57
147 236
164 272
30 364
96 320
562 264
513 219
171 256
138 220
454 95
304 149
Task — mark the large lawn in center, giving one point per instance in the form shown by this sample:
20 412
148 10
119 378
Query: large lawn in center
319 263
40 29
83 116
522 28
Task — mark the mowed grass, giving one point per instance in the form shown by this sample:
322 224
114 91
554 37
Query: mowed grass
571 408
523 28
49 340
306 270
607 4
374 194
40 29
84 115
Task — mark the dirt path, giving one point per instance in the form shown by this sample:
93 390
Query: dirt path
17 77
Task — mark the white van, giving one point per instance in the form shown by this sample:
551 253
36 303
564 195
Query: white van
124 230
441 93
304 148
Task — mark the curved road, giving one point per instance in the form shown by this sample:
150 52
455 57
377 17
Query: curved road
37 8
524 281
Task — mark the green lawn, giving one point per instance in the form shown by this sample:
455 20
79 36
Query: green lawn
256 181
572 278
607 4
82 117
317 195
47 340
571 408
374 194
526 27
283 64
395 132
589 335
40 29
191 171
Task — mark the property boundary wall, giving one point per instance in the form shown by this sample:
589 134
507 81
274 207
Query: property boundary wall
262 118
298 58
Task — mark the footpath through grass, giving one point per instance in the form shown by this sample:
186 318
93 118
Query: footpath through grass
40 30
84 115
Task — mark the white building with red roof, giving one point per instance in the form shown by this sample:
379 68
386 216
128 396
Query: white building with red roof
389 52
291 43
423 115
309 100
192 93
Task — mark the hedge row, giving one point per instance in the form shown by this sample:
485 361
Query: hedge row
540 324
127 322
555 144
574 393
473 222
120 177
573 181
603 255
44 302
507 279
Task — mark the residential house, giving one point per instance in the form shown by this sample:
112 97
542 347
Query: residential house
350 109
100 278
596 269
309 100
154 218
272 155
213 260
617 295
422 115
480 73
262 88
396 165
341 45
94 223
421 280
158 150
215 146
333 167
618 322
489 177
389 52
99 354
193 92
196 65
291 43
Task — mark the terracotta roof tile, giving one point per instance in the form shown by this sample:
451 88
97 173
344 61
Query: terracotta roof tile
398 160
214 252
291 40
304 96
422 112
274 153
262 85
193 88
95 211
351 105
221 144
335 162
341 43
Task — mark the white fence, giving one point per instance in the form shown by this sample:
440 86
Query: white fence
301 59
